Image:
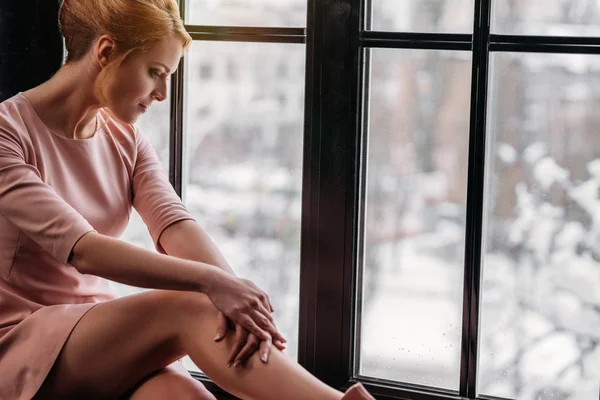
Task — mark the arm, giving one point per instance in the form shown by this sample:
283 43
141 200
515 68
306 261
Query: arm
188 240
116 260
113 259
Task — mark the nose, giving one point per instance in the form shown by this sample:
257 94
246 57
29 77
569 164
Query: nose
160 93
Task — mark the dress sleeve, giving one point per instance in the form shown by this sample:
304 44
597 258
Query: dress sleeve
153 196
33 206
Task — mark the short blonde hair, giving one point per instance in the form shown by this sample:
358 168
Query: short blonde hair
134 25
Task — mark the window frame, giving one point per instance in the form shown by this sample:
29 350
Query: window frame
337 39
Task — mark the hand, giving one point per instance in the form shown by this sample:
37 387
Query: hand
244 304
245 343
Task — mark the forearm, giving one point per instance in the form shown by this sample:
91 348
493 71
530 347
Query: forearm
122 262
188 240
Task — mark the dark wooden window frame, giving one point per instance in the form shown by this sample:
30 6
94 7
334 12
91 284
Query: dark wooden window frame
337 42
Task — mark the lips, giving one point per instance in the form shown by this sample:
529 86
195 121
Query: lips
143 107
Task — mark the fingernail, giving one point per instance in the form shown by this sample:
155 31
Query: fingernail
264 358
228 365
217 337
236 364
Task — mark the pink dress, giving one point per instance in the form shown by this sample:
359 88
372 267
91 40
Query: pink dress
53 190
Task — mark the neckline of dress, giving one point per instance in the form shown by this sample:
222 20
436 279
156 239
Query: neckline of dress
98 125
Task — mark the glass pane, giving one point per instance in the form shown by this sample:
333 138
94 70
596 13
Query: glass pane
415 216
448 16
154 124
243 162
265 13
546 17
540 314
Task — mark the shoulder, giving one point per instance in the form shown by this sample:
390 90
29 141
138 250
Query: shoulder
12 112
13 122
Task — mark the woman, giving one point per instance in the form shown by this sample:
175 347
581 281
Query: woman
72 165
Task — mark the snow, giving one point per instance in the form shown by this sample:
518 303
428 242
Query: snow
543 360
594 168
507 153
572 233
534 152
586 195
547 172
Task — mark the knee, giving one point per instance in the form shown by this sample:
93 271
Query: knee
185 304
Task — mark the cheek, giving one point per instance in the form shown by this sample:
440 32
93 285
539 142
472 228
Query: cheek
130 87
123 96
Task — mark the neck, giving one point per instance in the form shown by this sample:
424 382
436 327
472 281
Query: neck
67 103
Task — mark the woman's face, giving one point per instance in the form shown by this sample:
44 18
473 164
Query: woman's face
141 79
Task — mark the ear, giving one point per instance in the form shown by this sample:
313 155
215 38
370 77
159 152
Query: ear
105 49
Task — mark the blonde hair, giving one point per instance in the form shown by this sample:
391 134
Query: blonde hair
134 25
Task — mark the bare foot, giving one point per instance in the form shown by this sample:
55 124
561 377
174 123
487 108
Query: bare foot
357 392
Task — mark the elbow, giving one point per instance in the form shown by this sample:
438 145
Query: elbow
82 254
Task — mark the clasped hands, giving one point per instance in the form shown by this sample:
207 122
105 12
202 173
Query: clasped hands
245 343
245 310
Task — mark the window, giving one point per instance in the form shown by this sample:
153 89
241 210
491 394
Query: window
417 189
452 16
542 239
550 18
413 237
271 13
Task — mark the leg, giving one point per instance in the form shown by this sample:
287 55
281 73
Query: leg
172 382
115 346
282 378
119 343
256 380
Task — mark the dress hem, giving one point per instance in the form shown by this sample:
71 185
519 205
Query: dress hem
31 348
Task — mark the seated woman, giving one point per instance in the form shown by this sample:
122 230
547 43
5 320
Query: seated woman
72 165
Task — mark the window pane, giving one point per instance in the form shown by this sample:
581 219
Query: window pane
415 216
547 17
243 162
154 124
449 16
540 314
266 13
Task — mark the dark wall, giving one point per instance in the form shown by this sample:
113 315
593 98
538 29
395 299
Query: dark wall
31 48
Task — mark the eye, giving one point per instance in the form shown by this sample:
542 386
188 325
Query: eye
155 73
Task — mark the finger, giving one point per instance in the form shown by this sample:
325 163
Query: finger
263 310
249 324
248 350
222 326
270 305
268 326
265 350
282 339
267 303
264 299
279 345
241 335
